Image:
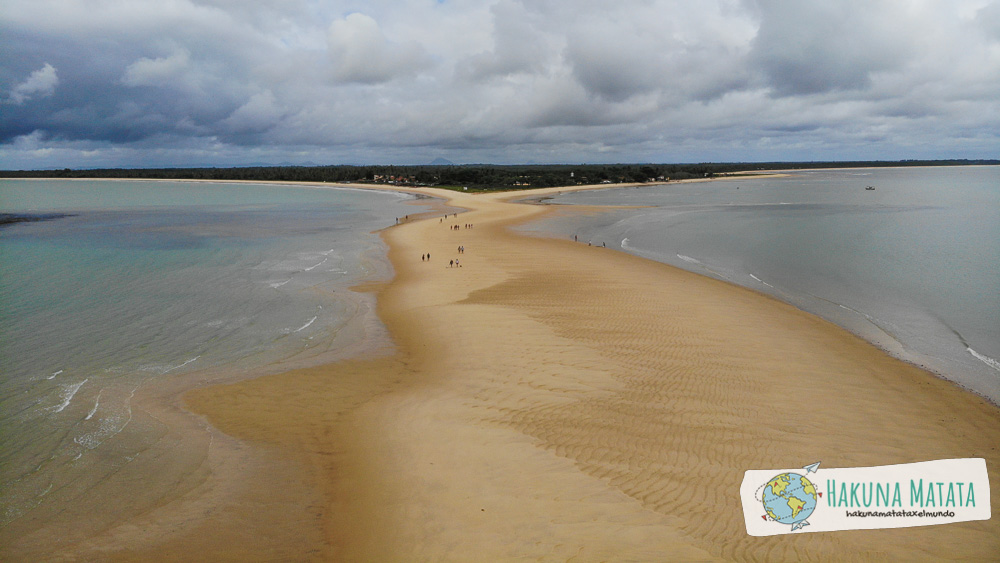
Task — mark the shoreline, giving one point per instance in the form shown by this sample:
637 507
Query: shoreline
552 399
172 448
512 424
869 331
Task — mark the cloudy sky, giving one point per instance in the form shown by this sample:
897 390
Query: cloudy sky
94 83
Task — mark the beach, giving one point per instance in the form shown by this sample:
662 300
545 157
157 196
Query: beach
552 400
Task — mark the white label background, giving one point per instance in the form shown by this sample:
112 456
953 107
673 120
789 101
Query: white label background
828 518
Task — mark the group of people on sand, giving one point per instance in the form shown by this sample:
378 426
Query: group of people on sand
451 263
426 257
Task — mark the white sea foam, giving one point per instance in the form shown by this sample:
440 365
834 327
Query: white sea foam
305 326
761 281
688 259
108 426
69 391
54 374
311 268
867 317
182 365
985 359
625 243
96 404
279 284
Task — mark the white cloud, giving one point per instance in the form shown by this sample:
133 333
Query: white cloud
519 44
259 114
988 18
42 82
815 47
157 72
360 52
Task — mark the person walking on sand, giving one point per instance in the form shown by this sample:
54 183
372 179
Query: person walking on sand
451 263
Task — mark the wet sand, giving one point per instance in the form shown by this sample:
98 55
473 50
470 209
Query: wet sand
552 401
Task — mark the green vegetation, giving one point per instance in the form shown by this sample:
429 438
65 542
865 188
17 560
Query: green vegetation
475 177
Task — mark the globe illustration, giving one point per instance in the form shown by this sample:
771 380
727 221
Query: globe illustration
789 498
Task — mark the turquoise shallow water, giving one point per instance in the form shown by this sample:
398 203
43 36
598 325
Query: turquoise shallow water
142 282
913 265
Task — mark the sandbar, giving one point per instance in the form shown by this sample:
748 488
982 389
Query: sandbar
552 401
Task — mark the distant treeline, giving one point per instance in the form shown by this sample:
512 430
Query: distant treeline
473 176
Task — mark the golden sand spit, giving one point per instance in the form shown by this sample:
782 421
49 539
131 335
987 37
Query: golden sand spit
553 401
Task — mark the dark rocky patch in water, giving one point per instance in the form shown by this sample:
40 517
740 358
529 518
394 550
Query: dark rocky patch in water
11 218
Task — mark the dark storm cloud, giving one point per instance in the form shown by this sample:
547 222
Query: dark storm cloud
118 85
232 81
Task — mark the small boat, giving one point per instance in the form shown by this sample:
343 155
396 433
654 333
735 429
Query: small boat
871 188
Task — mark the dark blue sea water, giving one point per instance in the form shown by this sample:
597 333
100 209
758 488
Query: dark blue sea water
139 283
913 265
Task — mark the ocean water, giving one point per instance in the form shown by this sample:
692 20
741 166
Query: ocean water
136 284
913 265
